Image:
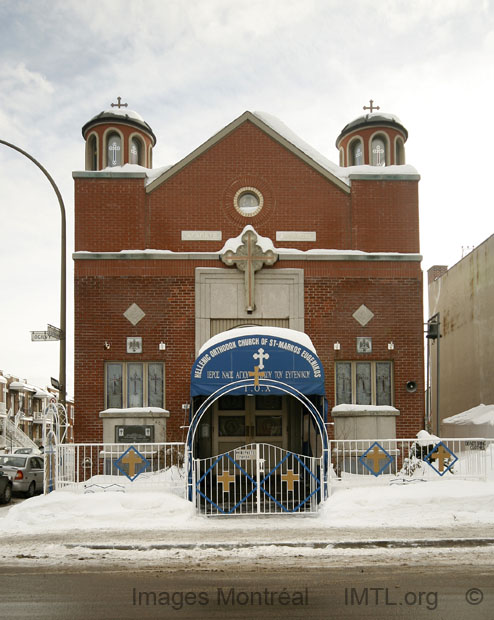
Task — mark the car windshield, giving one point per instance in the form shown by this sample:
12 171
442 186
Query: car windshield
13 461
23 451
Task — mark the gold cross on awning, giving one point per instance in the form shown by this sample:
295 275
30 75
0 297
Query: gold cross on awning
249 258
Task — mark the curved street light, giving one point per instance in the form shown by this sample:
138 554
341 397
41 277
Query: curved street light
63 275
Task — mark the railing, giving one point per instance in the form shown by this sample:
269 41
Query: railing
92 468
381 461
14 437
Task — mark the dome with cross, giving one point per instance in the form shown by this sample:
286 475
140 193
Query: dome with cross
118 136
374 138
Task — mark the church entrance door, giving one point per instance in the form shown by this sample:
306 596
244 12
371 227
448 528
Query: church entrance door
243 419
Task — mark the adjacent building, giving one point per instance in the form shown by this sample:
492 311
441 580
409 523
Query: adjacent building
461 302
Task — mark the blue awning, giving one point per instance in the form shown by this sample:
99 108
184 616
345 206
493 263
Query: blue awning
260 361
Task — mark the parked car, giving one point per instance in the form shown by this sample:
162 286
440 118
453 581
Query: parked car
25 471
5 489
27 451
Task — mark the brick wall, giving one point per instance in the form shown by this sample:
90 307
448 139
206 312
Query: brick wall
115 214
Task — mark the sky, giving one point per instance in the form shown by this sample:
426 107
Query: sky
190 67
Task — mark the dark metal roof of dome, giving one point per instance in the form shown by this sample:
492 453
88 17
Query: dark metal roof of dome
128 117
375 118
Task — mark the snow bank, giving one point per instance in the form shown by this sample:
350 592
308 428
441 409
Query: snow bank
443 503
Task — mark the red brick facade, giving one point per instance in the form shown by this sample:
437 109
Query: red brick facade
115 213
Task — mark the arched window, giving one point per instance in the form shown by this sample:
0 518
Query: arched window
356 153
92 153
136 151
378 151
114 150
400 152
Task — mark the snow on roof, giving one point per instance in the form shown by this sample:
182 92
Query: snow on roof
19 385
125 112
288 134
282 333
375 408
343 173
482 414
151 173
43 394
3 379
377 115
136 410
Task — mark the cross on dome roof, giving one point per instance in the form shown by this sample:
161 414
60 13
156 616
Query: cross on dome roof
124 105
371 108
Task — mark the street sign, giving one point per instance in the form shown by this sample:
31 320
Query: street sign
43 337
54 332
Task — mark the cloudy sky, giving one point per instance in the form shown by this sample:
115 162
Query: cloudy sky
189 67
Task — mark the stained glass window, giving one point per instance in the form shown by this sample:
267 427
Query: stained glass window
378 152
114 386
114 156
383 383
343 383
135 151
155 385
357 153
134 385
364 383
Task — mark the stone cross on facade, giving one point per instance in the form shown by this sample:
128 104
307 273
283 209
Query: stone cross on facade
119 104
249 258
372 107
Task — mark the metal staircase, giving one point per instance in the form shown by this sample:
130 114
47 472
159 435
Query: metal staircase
13 437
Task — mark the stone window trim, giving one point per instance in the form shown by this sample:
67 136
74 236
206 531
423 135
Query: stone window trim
246 183
92 138
242 192
399 151
142 149
350 149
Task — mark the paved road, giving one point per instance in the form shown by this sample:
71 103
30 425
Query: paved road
454 593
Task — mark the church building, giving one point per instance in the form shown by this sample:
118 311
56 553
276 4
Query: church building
253 292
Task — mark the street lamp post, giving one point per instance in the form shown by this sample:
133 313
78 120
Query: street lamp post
63 276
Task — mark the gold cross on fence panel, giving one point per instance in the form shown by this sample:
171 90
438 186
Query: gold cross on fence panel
226 478
441 455
290 478
132 459
249 258
375 456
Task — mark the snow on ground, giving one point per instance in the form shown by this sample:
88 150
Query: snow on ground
442 503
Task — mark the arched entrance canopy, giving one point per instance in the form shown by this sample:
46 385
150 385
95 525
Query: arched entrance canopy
249 355
259 360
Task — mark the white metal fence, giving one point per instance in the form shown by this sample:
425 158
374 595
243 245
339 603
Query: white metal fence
381 461
257 479
91 468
